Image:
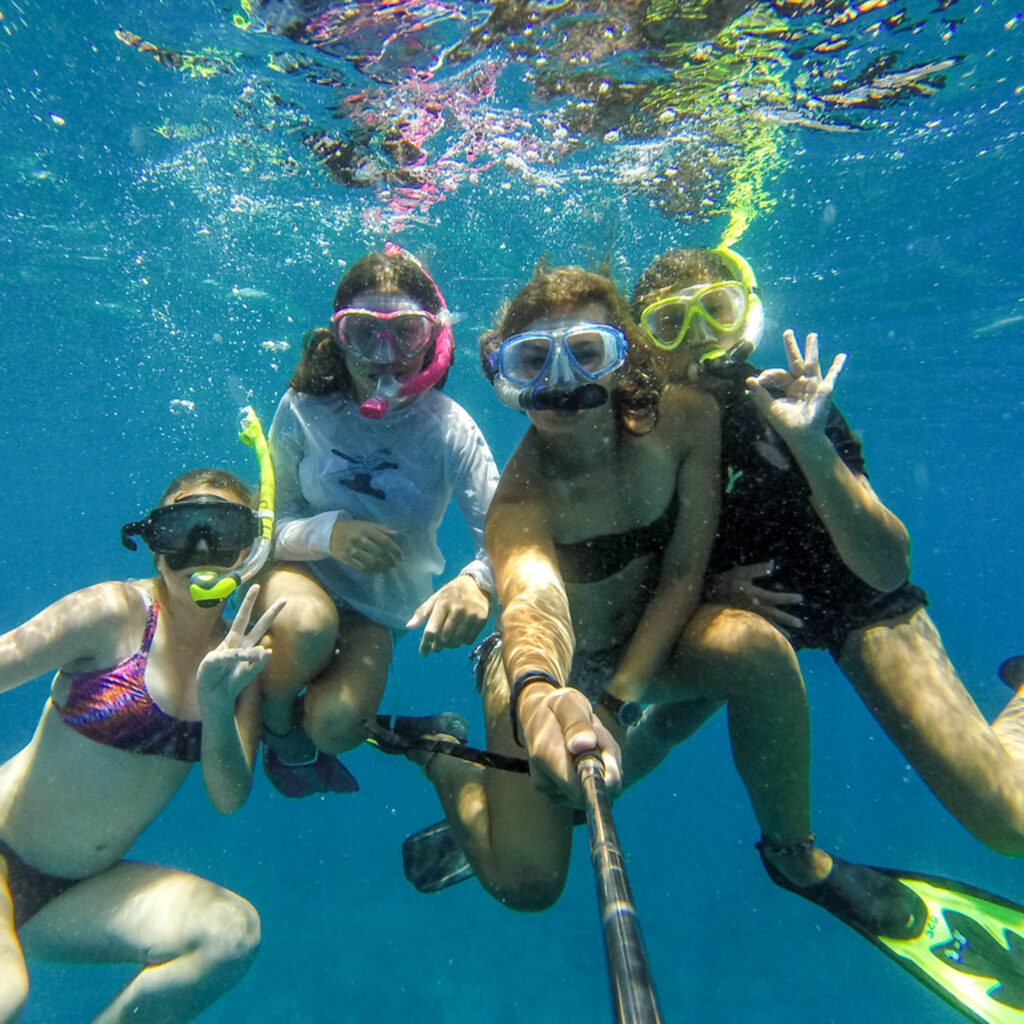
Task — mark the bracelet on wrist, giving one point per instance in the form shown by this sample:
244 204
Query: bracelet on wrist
520 683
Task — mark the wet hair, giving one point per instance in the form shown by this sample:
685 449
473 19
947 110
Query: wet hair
322 369
220 479
561 290
679 268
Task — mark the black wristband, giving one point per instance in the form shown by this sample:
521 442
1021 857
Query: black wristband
520 683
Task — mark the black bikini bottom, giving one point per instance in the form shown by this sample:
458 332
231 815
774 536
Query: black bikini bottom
31 889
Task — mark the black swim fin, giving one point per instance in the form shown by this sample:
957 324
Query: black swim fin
433 859
965 944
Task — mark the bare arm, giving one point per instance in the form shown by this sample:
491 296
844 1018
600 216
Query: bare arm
557 721
82 630
685 562
870 539
229 705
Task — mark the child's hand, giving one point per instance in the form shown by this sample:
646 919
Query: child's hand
364 546
455 614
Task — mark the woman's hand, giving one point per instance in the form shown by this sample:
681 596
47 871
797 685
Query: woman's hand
557 725
364 546
455 614
736 589
803 408
229 668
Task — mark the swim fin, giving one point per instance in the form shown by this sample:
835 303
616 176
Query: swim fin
433 859
965 944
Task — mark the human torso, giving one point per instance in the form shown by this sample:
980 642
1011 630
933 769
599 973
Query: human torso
767 513
399 471
611 523
72 805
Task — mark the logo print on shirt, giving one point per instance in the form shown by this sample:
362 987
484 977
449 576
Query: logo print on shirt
734 478
358 476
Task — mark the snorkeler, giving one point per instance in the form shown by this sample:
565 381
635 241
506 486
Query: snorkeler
368 453
799 515
599 535
150 683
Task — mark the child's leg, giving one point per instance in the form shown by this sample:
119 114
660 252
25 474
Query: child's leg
303 639
349 691
13 975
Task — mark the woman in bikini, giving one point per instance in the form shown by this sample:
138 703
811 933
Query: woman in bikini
149 684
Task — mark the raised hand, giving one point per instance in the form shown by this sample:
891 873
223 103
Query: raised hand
804 406
229 668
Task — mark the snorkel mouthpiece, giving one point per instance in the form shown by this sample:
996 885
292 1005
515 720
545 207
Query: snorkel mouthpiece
389 393
377 406
586 396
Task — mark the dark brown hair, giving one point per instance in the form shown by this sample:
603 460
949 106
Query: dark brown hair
322 369
220 479
563 289
678 268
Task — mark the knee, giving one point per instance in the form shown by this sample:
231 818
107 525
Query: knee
527 894
336 725
743 643
304 637
231 937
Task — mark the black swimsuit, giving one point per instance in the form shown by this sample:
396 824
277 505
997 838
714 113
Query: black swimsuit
597 558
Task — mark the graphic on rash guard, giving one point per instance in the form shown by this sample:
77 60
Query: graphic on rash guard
359 475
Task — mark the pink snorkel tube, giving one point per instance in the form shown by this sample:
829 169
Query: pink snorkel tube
390 392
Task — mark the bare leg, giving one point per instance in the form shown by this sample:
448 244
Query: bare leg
516 839
662 728
349 691
738 657
13 975
303 639
904 676
194 939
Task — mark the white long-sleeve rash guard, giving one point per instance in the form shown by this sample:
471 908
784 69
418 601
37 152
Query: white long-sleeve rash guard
401 471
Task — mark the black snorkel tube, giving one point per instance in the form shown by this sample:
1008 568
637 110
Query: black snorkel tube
208 587
552 399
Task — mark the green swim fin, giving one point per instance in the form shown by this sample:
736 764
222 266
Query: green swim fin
433 859
965 944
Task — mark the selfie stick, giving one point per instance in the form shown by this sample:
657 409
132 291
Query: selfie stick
632 985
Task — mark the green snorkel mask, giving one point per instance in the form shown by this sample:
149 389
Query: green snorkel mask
209 588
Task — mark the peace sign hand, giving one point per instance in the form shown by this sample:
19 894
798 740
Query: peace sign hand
807 396
229 668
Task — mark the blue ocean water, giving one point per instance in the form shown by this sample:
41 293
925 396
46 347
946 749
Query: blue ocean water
165 233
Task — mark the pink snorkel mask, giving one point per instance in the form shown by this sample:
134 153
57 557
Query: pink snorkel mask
390 393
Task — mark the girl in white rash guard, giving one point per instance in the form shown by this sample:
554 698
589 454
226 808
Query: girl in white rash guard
368 453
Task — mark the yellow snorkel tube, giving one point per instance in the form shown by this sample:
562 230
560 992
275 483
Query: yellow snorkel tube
208 587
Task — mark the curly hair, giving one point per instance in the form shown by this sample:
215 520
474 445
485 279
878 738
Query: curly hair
562 290
322 369
678 268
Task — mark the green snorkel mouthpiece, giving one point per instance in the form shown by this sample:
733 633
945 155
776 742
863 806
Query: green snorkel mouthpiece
209 588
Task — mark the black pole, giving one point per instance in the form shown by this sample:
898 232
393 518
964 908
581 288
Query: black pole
632 985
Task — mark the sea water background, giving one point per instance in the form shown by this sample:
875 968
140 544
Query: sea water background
138 270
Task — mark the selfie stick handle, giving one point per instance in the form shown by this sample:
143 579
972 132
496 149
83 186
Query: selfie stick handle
632 986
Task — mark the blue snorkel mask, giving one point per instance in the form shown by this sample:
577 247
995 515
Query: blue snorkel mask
558 370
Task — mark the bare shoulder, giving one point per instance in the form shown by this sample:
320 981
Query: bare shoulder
688 412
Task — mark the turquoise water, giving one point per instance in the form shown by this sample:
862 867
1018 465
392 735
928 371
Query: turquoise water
163 233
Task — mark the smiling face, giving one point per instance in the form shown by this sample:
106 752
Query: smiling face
366 373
